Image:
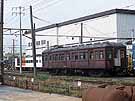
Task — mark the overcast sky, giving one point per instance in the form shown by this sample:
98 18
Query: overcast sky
54 11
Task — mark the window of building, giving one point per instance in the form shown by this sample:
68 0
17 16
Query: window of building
37 42
43 42
29 44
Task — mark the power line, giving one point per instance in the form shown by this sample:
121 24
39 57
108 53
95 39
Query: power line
46 6
96 30
128 6
41 19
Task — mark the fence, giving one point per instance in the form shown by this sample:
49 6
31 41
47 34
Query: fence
47 86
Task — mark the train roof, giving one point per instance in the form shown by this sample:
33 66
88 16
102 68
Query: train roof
96 45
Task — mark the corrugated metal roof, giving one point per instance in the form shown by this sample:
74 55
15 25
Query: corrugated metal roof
97 45
109 12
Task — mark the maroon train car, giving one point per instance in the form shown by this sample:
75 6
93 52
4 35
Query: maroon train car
94 59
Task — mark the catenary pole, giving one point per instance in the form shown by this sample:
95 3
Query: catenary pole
13 60
81 38
21 9
33 41
1 41
57 32
20 40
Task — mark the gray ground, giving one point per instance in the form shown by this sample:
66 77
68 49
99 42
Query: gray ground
16 94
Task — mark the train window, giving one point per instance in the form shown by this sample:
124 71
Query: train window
36 61
109 54
91 55
57 57
72 57
96 55
83 56
39 61
46 57
76 57
101 55
61 57
50 57
68 57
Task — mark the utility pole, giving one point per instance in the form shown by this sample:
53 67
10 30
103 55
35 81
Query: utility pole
57 31
20 12
1 39
33 41
81 38
48 45
13 59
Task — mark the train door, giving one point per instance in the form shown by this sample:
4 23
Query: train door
117 58
68 59
74 58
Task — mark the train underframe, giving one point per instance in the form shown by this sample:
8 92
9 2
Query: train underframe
88 72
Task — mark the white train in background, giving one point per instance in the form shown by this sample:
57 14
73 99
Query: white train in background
27 63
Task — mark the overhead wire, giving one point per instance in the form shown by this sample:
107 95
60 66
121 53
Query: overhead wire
128 6
41 19
46 6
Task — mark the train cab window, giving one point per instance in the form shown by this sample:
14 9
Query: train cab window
122 54
91 55
109 54
101 55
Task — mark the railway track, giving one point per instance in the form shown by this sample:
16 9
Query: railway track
83 79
